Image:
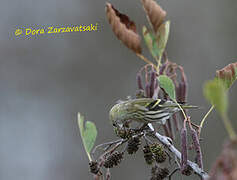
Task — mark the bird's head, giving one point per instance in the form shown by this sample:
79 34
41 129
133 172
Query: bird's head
119 114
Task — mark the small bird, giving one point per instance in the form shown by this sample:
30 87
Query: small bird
144 110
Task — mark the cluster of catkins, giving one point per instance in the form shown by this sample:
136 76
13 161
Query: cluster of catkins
154 154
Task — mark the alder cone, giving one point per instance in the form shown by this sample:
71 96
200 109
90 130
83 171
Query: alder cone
155 13
94 167
113 160
124 28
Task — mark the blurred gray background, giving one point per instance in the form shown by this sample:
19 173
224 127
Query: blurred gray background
45 81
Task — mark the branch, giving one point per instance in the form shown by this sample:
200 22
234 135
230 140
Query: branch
165 140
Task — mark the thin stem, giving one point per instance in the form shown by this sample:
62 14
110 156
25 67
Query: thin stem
228 127
145 59
204 118
226 122
180 107
89 156
158 63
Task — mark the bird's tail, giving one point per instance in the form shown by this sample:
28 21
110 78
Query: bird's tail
189 107
183 106
171 104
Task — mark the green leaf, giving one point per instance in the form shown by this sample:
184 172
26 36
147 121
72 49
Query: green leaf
150 41
88 134
156 43
228 75
215 93
162 36
167 84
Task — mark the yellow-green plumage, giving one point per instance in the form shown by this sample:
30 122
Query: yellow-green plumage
144 110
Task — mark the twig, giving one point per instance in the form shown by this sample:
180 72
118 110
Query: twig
147 140
177 162
145 59
103 156
108 175
174 171
166 142
98 177
117 145
108 144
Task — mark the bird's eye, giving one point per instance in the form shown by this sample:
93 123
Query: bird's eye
114 124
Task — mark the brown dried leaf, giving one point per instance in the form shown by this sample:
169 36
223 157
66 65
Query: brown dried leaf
228 74
124 28
155 13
